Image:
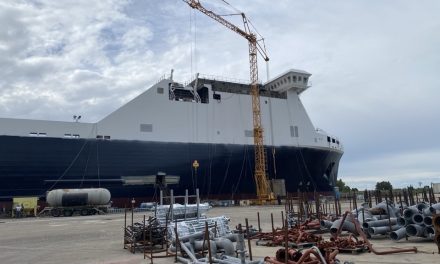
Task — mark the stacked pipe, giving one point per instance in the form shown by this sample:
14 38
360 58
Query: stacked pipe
385 218
220 249
379 219
416 221
436 225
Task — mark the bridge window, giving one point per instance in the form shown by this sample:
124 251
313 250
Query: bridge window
146 127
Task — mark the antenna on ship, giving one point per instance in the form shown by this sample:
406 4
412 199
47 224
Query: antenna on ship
76 118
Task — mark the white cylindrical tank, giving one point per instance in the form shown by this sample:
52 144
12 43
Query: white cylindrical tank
78 197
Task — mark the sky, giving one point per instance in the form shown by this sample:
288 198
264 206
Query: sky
375 66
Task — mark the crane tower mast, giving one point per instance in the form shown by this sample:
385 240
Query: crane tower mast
262 184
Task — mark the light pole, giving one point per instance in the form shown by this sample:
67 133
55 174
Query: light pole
195 166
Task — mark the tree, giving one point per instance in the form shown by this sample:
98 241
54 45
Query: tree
384 185
342 187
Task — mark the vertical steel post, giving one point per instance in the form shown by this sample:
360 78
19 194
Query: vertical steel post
248 239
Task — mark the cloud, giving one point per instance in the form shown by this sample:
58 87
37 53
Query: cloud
374 64
401 169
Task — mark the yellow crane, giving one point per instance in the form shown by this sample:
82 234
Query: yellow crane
262 183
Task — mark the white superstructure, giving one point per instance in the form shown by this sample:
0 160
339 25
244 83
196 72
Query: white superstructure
212 116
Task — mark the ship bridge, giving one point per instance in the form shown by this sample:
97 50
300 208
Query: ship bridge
296 80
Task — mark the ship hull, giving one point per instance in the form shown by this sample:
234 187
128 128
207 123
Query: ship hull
30 166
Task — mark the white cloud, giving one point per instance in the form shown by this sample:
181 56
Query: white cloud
374 64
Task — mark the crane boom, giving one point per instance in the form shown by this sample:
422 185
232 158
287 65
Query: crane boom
262 185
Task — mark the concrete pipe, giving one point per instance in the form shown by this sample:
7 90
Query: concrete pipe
417 219
326 224
398 234
436 206
415 230
384 222
427 220
429 230
379 217
347 226
422 206
401 221
226 245
364 214
390 210
382 230
187 247
409 212
428 211
200 245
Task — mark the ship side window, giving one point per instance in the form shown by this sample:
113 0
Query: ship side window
159 90
33 134
328 139
299 78
99 136
288 79
107 137
146 127
75 136
67 135
217 96
333 140
248 133
42 134
305 79
294 78
294 131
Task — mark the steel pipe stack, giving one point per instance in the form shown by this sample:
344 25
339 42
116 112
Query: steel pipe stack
416 220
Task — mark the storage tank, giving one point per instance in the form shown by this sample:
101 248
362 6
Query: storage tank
78 197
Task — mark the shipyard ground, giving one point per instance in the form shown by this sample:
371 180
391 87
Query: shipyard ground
99 239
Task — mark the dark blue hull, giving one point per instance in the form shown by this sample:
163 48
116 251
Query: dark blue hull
30 166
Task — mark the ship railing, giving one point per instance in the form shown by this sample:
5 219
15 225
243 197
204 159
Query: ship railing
163 77
219 78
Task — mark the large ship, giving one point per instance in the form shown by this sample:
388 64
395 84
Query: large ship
201 133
